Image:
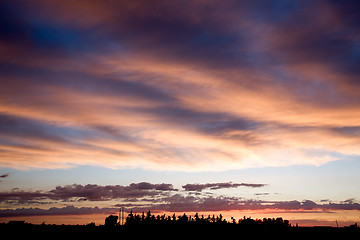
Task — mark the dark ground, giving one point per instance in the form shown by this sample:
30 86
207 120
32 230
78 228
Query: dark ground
173 231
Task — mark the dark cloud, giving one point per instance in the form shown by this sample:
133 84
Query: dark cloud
214 123
37 79
19 195
309 205
202 204
145 196
90 192
150 186
212 33
179 203
189 203
261 194
24 128
161 28
12 27
215 186
68 210
20 27
5 175
93 192
225 124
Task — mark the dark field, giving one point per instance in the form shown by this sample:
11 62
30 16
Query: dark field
190 230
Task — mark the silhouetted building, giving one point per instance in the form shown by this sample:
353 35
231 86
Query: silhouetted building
353 226
111 220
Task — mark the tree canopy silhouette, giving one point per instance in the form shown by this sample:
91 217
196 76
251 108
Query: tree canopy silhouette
148 218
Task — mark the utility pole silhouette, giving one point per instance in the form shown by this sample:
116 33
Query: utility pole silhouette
121 215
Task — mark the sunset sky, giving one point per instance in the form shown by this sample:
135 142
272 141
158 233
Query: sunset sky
235 107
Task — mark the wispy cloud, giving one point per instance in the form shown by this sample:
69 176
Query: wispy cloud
236 85
5 175
215 186
68 210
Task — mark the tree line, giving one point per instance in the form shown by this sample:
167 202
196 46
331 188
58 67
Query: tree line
148 218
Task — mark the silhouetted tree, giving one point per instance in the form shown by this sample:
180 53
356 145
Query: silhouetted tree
142 217
184 219
130 218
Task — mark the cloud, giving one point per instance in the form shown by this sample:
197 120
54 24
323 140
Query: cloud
89 192
12 128
236 84
146 196
93 192
68 210
5 175
19 195
179 203
215 186
150 186
261 194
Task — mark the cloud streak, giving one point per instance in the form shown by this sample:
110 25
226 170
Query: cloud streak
68 210
216 186
5 175
178 203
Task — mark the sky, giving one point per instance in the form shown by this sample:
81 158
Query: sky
239 107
